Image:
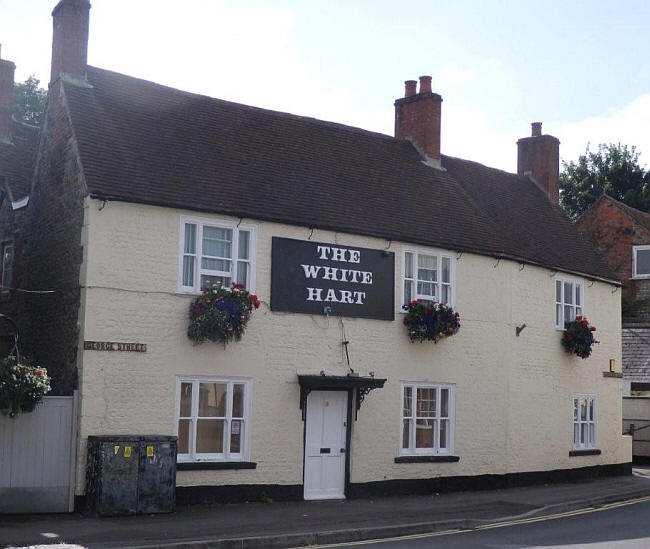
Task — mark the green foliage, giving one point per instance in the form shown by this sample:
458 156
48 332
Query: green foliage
21 386
29 104
613 170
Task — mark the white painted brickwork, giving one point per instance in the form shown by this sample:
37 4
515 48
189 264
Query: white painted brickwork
513 394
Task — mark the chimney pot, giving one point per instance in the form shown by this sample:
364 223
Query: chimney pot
7 69
425 84
537 129
410 88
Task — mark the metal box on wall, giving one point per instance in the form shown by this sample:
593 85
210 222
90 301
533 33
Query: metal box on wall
131 474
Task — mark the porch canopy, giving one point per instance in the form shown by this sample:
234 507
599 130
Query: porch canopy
360 385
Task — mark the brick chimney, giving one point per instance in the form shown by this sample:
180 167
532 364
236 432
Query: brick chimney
417 118
7 69
538 156
70 39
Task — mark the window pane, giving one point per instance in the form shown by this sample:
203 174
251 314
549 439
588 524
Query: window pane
578 311
576 434
217 233
244 245
208 281
583 410
445 295
568 313
408 295
184 436
575 409
242 273
558 291
568 292
186 400
578 296
424 433
188 270
592 434
406 429
427 268
236 428
408 402
426 402
408 265
444 433
209 436
212 399
444 402
446 270
583 433
238 400
591 409
215 264
190 238
643 262
558 315
427 288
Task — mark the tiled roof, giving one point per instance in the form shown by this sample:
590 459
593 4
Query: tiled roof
636 353
17 159
639 217
147 143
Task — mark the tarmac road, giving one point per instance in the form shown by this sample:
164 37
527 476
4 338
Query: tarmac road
624 525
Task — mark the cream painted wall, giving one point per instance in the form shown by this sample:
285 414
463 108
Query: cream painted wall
513 394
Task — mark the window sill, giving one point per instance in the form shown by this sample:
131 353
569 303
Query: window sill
617 375
426 459
214 465
589 452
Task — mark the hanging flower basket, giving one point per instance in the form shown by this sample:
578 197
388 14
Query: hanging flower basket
579 338
22 387
221 314
430 321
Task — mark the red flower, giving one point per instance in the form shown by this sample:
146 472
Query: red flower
593 328
256 304
414 303
569 337
252 297
457 315
578 318
442 304
585 323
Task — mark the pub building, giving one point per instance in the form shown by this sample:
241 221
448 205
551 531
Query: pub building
328 394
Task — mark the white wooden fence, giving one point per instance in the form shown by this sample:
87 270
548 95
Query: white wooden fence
37 456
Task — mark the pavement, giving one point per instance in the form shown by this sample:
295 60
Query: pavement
300 524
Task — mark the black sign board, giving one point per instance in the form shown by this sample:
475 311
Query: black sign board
320 278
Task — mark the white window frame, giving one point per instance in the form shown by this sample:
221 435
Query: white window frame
435 451
233 225
636 249
559 322
587 445
192 456
430 252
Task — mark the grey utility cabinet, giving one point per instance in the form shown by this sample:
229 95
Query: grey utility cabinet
131 474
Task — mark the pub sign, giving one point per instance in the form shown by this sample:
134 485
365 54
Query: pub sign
321 278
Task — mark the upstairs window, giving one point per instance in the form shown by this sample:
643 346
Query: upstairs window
641 262
569 301
427 277
215 254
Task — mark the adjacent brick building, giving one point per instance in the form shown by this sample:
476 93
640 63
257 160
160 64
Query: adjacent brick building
622 235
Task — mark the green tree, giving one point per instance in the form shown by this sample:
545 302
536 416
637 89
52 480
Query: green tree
29 102
613 170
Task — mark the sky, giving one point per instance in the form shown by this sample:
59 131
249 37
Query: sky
580 67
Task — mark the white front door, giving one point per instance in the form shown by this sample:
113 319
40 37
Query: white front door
325 444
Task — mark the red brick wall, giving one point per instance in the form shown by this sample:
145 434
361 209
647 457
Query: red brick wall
613 233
